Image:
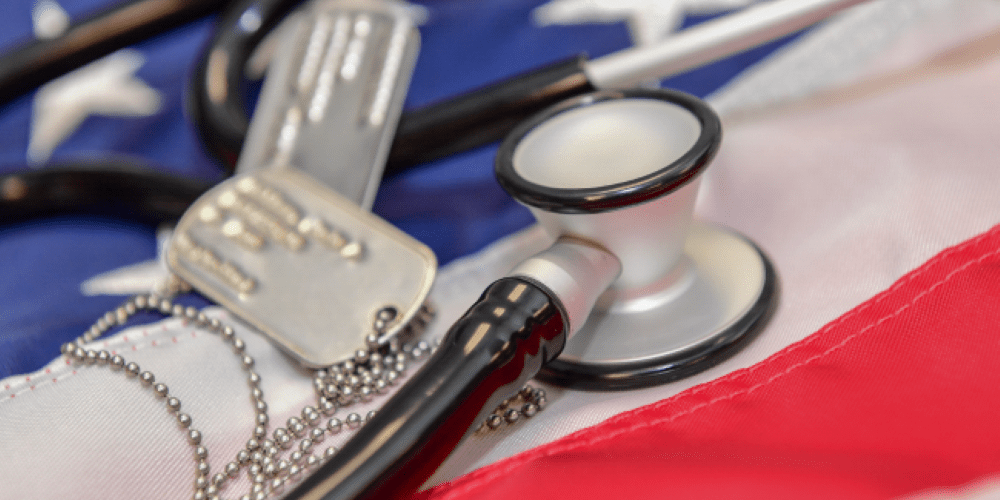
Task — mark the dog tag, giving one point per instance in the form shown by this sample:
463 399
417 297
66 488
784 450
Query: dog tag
301 263
334 93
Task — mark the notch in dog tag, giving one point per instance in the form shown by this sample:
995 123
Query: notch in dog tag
301 263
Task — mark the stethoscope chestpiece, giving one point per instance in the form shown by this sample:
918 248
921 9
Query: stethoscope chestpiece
620 169
618 135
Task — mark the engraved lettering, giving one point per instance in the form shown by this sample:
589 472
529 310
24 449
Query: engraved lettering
236 231
271 199
209 261
331 238
288 134
313 55
260 219
356 48
390 71
322 232
327 79
209 214
353 251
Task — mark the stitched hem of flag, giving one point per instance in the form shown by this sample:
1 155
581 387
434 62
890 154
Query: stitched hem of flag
878 314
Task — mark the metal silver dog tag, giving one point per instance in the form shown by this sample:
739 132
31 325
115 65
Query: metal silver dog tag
334 93
300 262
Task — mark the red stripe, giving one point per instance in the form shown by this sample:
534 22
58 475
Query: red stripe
897 396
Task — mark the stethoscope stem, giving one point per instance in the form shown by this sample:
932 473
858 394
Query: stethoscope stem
710 41
487 114
457 124
483 360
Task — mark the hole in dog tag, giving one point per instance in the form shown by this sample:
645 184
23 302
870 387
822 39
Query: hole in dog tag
301 263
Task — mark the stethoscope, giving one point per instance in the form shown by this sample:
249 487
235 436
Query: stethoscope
626 255
130 190
611 176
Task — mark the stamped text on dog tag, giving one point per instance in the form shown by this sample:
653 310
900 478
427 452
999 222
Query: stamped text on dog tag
299 262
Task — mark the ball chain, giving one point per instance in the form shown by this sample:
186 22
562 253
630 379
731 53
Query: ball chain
525 404
267 460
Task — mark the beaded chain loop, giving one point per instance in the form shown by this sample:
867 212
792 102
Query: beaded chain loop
525 404
272 462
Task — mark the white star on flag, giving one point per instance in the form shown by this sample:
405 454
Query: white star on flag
143 277
649 21
106 87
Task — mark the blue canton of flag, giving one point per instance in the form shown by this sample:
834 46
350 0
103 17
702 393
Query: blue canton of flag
131 104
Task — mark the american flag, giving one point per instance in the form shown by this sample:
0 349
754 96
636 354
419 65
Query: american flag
858 155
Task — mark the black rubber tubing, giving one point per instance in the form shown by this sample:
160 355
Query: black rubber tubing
484 359
35 62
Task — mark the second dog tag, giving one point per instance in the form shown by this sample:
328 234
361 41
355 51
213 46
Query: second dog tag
299 262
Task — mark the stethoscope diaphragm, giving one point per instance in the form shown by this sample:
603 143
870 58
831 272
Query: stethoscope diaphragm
620 169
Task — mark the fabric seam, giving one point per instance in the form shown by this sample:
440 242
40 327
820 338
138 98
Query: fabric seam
126 339
572 444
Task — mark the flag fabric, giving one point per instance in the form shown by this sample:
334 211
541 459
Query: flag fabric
858 155
453 205
892 398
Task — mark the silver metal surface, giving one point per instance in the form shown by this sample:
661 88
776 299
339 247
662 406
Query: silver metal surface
576 272
608 143
301 263
710 41
647 238
717 280
334 93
